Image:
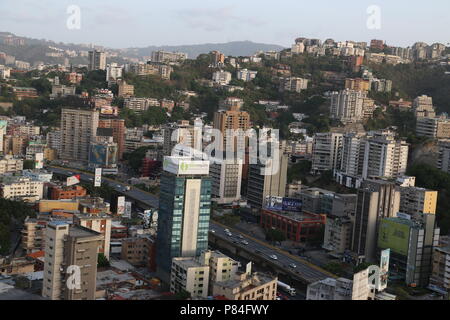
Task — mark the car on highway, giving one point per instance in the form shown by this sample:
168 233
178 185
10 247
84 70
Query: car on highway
213 231
273 257
229 234
244 242
227 231
293 266
241 237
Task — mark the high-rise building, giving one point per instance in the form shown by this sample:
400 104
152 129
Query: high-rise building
97 60
377 199
70 252
100 223
118 127
414 200
443 161
327 149
233 119
272 182
226 176
411 241
184 211
423 107
78 130
347 105
113 72
440 274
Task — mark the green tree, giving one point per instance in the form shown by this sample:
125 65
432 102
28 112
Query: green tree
102 261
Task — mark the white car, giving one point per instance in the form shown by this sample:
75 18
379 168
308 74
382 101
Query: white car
226 231
274 257
229 234
244 242
293 266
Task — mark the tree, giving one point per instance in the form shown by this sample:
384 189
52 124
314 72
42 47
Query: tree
274 235
102 261
28 164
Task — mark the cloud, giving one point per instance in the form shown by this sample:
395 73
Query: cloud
214 20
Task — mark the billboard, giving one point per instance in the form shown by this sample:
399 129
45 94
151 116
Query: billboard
97 155
283 204
120 206
73 180
127 213
384 269
394 235
38 160
183 166
98 177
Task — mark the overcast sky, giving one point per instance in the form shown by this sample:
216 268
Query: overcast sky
139 23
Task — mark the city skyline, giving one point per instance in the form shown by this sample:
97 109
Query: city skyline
197 22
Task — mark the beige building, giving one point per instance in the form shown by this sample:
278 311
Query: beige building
191 275
9 164
293 84
198 275
125 90
78 130
423 107
33 235
21 188
245 286
70 252
97 60
437 128
233 119
100 223
338 234
226 178
326 151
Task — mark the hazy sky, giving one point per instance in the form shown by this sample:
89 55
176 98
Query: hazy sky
138 23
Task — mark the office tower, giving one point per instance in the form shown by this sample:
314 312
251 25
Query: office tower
78 130
67 249
226 176
376 199
233 119
347 105
184 211
273 183
411 240
100 223
118 127
327 149
97 60
181 133
423 107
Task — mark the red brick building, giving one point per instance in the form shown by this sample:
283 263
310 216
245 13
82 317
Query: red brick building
298 227
66 193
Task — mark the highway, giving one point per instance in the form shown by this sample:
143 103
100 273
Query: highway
302 269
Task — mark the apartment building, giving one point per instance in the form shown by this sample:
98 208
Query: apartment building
436 128
191 275
357 84
124 89
168 57
248 286
423 107
221 77
9 164
414 200
347 105
443 161
327 149
21 188
440 273
33 235
100 223
246 75
139 251
64 192
97 60
78 130
338 234
293 84
118 132
68 248
140 105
